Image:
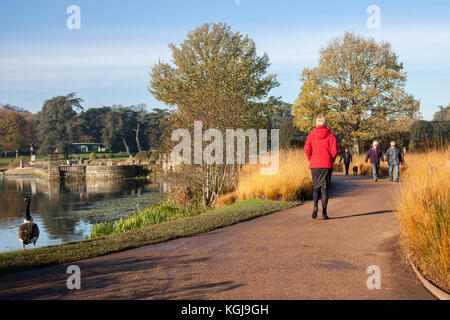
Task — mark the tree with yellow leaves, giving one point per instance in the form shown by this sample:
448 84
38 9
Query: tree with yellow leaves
359 87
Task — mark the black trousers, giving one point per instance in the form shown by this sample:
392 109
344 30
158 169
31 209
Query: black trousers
347 166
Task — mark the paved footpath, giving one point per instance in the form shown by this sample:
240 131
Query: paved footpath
285 255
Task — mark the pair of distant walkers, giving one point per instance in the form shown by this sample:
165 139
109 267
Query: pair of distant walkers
393 158
321 150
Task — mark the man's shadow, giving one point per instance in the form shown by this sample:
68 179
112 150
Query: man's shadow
362 214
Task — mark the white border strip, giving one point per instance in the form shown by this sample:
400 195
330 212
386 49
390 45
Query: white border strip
438 293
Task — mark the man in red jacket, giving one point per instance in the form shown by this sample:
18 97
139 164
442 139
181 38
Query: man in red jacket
321 150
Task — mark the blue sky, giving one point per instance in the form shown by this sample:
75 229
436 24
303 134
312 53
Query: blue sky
107 61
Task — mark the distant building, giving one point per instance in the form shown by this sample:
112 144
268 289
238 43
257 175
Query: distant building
85 147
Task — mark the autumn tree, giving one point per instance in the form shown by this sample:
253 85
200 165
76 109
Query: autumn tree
218 78
359 86
12 131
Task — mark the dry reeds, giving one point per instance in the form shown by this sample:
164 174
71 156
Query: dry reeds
423 209
284 185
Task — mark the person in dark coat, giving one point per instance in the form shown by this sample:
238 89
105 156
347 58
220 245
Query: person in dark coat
394 159
375 155
321 151
347 157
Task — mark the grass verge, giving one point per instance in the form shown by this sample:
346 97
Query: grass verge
208 221
155 214
423 209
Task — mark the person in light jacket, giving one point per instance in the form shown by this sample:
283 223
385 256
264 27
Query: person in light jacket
321 150
375 155
394 158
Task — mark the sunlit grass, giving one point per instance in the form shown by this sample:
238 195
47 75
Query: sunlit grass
284 185
142 218
423 208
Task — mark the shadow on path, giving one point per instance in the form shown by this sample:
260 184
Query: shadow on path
144 277
362 214
344 186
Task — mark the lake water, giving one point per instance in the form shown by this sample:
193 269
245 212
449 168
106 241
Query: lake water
66 212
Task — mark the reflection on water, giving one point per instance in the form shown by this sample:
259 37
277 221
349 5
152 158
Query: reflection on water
66 212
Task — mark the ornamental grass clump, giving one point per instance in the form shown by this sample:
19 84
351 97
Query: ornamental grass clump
423 209
285 184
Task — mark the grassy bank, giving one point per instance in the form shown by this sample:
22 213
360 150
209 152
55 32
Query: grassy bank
210 220
423 208
155 214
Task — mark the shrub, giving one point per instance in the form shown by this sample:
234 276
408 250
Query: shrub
226 199
142 155
186 197
154 157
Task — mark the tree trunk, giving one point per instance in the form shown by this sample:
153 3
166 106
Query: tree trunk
126 146
66 151
137 138
356 146
214 177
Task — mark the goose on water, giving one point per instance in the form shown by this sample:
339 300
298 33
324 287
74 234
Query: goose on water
28 231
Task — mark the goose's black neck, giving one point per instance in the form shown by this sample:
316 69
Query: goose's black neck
28 215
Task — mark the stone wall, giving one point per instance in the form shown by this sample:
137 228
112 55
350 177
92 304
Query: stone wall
111 172
92 172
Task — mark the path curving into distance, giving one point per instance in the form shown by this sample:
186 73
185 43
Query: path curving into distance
285 255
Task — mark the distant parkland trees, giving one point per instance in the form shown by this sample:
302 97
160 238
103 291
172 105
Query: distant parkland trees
62 121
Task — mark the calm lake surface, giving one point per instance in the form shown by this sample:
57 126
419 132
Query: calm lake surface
66 212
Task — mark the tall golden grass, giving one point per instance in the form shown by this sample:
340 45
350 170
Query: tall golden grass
365 169
284 185
423 209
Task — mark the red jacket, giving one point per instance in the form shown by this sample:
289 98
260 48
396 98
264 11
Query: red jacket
321 148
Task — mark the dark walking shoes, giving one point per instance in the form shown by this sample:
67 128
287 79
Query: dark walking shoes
324 214
314 215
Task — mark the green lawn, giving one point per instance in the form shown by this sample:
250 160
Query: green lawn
210 220
4 161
